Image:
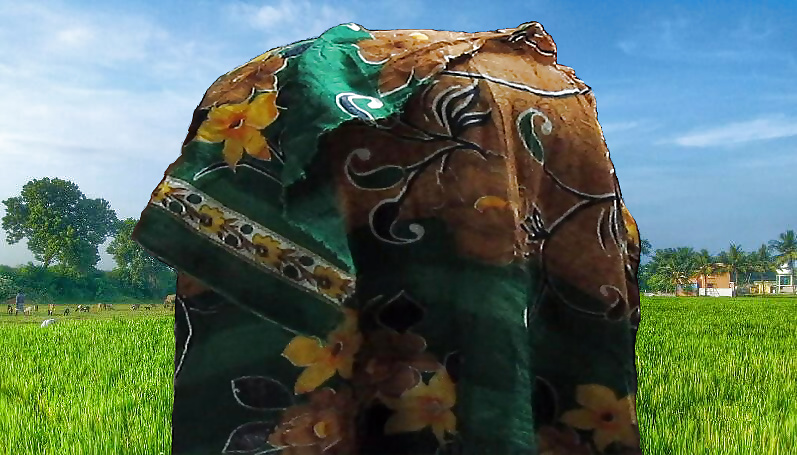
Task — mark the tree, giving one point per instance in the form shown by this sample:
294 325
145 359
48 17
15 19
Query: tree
643 277
672 268
59 223
732 260
645 247
786 248
746 267
762 262
135 266
8 287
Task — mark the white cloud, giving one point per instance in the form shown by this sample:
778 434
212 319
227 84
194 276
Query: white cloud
90 48
102 100
616 127
759 129
289 21
102 95
659 36
94 89
689 37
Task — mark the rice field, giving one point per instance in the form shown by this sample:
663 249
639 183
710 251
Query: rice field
716 376
91 384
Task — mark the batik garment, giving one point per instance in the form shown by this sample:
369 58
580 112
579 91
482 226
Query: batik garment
400 242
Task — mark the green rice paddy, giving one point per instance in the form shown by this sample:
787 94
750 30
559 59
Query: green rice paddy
716 376
91 384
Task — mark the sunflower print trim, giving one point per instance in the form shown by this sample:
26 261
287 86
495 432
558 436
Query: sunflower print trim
252 241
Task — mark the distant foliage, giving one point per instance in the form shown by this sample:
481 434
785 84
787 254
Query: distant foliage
673 268
8 287
141 274
56 283
59 222
64 229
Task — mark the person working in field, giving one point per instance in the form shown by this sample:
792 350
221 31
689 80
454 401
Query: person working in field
20 302
403 242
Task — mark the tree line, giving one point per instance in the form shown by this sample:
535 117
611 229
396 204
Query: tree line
672 268
64 230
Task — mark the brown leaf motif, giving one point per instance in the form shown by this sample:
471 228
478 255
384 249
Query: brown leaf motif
392 362
417 54
554 441
237 86
325 425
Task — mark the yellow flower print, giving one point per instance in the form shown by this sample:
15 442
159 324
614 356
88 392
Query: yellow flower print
161 191
630 225
419 36
268 249
425 405
322 361
329 282
211 219
611 419
239 125
485 203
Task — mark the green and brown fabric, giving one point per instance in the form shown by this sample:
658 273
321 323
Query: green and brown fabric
400 242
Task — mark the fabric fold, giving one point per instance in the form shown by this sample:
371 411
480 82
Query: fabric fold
400 242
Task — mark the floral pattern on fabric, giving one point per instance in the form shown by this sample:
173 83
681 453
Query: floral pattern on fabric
239 127
554 441
494 257
244 237
425 405
392 363
325 425
322 361
237 86
406 55
608 417
387 374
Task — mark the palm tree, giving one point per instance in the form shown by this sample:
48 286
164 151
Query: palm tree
763 262
705 266
677 266
746 268
732 260
786 249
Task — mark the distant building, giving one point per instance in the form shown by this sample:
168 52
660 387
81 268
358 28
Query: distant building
783 283
718 284
764 283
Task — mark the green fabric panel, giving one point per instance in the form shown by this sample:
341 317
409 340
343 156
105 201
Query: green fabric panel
572 349
474 309
170 240
328 67
226 344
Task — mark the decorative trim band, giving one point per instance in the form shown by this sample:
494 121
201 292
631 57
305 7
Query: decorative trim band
253 242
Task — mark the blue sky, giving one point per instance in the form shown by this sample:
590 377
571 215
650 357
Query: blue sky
698 101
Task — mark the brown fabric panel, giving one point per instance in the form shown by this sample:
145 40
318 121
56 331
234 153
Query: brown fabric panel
583 250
